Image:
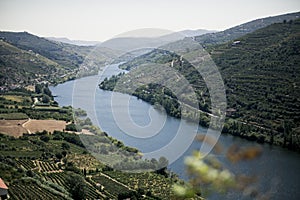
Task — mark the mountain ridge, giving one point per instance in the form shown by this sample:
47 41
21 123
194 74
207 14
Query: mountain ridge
242 29
74 42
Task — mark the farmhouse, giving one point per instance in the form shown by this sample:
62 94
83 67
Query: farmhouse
3 190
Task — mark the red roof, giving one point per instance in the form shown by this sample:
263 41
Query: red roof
2 184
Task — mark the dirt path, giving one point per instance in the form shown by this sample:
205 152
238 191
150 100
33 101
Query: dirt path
24 124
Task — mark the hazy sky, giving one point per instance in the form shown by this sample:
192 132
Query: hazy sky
102 19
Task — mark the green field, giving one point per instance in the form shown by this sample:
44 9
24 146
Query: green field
16 116
45 163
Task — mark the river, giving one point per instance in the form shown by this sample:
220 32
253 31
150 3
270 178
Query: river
277 169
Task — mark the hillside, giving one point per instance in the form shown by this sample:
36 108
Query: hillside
67 55
20 67
27 59
57 166
260 72
51 158
243 29
57 52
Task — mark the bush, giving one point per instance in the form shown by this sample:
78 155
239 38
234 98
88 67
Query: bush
45 138
73 127
77 187
65 146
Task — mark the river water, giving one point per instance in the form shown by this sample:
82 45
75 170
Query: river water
276 170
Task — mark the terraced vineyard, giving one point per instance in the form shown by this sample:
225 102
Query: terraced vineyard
261 75
26 164
31 190
145 181
46 166
112 187
60 178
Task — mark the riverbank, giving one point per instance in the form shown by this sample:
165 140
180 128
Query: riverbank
155 95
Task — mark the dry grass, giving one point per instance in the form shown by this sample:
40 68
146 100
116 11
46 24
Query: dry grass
30 88
86 132
48 125
12 127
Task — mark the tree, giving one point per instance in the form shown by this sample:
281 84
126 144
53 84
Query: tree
162 166
45 138
45 98
65 146
47 91
77 187
38 88
59 156
73 127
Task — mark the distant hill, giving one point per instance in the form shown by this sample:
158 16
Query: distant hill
74 42
133 42
243 29
198 32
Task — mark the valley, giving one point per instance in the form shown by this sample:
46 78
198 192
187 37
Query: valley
59 138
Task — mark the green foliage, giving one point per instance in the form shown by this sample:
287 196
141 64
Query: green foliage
73 127
19 104
15 116
45 138
65 146
77 187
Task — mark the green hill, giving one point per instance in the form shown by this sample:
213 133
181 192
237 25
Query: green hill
27 59
261 74
20 67
58 52
67 55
